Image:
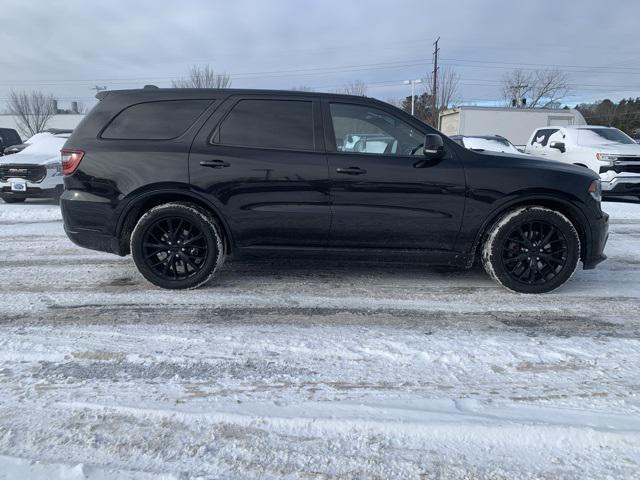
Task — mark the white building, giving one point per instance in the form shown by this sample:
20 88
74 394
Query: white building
515 124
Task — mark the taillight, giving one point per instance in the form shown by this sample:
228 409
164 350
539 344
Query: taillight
70 161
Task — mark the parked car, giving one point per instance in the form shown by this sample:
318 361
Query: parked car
8 137
605 150
181 178
35 171
491 143
18 147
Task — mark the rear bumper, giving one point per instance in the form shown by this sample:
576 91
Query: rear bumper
94 240
594 253
88 222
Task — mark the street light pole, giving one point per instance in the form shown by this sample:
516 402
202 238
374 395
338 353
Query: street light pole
413 84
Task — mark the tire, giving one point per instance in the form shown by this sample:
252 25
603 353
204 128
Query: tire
158 246
13 200
508 251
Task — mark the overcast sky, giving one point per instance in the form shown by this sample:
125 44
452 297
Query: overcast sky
66 47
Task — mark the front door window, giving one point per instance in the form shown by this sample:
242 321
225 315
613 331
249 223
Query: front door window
362 129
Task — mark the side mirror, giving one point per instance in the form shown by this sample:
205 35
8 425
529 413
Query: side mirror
558 146
433 146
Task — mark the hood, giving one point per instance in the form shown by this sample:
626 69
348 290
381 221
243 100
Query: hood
618 148
30 159
540 163
46 150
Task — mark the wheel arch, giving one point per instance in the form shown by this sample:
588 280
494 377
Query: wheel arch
144 202
575 216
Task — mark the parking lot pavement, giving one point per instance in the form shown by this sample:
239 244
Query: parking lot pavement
312 368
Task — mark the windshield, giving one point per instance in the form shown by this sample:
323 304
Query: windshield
496 144
601 136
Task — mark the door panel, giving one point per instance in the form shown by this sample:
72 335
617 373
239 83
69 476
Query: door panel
396 204
268 196
390 200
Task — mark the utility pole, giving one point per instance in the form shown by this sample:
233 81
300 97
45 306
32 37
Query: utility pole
434 91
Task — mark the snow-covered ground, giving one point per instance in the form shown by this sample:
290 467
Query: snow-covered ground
312 369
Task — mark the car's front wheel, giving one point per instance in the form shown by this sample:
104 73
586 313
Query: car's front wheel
177 246
532 250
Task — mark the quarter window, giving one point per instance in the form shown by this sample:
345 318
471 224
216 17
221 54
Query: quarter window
278 124
361 129
162 120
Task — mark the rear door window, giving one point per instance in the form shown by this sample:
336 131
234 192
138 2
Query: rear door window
161 120
277 124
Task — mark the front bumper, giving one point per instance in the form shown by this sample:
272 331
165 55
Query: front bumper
621 185
32 192
597 240
50 186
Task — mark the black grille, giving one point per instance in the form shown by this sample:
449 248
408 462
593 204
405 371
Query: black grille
33 173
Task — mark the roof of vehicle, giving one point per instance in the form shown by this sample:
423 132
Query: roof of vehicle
486 137
576 127
151 91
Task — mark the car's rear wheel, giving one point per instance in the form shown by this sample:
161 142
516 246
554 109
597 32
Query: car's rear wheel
532 250
13 200
177 246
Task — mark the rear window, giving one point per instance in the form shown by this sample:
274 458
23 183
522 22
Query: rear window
284 124
155 120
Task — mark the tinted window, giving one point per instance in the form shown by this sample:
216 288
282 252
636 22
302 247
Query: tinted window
286 124
542 136
9 137
155 120
360 129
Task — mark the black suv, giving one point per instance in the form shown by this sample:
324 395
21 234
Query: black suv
181 178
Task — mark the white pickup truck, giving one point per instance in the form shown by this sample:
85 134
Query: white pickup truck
35 171
607 151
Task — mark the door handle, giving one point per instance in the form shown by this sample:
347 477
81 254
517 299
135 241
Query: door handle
214 163
351 171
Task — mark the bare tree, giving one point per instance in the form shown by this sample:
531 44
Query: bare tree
203 77
32 109
302 88
357 87
539 88
447 94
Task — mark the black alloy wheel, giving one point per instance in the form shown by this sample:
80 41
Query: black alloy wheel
532 250
174 248
177 246
535 252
